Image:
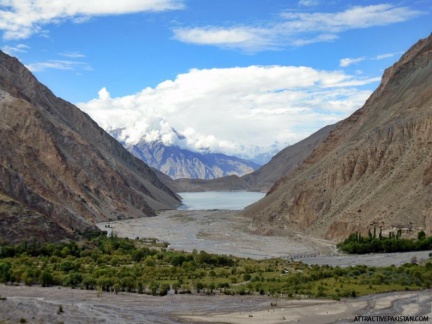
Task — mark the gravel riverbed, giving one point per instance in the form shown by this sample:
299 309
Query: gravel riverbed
227 232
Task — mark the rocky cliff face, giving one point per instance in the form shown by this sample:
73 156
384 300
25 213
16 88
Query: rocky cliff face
374 169
60 169
180 163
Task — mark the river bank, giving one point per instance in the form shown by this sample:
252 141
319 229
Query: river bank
217 231
222 232
227 232
43 305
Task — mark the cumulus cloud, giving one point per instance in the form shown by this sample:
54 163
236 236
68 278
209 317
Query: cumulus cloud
296 28
237 110
21 19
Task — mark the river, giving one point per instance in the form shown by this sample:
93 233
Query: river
228 200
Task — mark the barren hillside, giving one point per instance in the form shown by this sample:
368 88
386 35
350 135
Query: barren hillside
375 167
59 171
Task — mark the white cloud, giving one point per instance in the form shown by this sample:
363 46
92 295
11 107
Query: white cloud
384 56
72 54
354 18
232 110
215 35
104 94
349 61
58 65
296 28
309 3
246 38
21 19
12 50
311 40
345 62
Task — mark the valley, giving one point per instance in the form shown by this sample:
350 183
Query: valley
222 232
216 231
229 233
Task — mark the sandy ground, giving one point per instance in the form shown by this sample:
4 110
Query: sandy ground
41 305
227 232
216 231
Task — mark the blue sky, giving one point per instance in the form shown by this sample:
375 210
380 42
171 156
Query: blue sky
229 76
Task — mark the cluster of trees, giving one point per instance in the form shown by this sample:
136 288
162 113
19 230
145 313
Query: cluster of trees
113 264
357 244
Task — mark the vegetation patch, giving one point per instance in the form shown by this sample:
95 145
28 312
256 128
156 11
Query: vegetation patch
357 244
112 264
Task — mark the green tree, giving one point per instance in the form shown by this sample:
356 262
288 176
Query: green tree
138 255
150 262
176 286
154 286
116 288
140 287
5 272
128 283
46 278
421 235
164 288
89 282
199 286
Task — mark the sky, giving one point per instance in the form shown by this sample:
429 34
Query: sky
237 77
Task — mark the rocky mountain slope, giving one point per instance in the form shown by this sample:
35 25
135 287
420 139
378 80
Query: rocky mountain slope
263 178
375 167
180 163
59 171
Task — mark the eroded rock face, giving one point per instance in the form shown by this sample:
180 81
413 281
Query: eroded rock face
374 169
58 164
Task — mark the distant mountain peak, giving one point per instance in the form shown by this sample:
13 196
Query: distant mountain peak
178 163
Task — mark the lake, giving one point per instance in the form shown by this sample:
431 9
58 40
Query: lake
230 200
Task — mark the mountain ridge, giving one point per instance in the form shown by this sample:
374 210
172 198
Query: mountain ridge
263 178
61 167
181 163
372 170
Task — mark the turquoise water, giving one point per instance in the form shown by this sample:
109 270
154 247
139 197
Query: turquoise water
231 200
